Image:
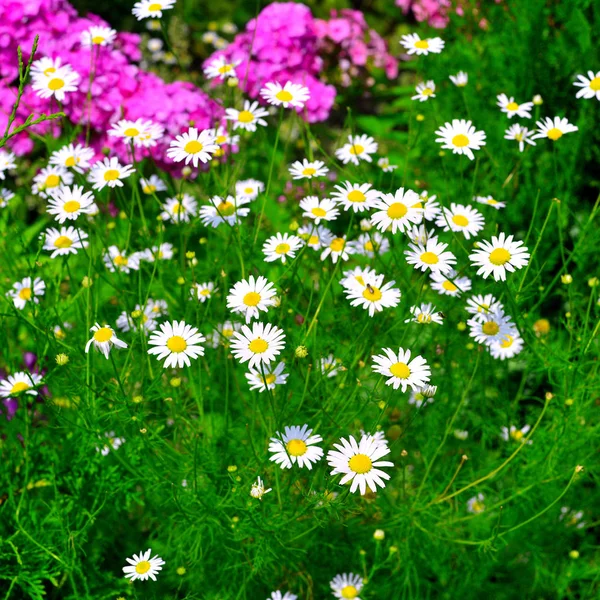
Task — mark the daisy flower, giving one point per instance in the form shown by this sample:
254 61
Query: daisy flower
223 139
179 209
249 189
112 443
511 108
222 333
277 595
271 378
290 95
520 134
590 86
378 437
425 314
329 366
141 567
425 90
139 132
514 434
226 210
140 318
400 370
50 179
369 244
460 79
346 585
480 305
384 164
258 489
374 296
422 396
338 248
476 504
248 118
449 283
553 129
115 260
460 218
490 201
46 65
461 137
57 83
203 291
418 234
432 255
259 345
357 276
319 210
66 240
97 35
431 208
500 255
316 237
359 147
221 68
151 8
307 169
20 382
109 173
296 445
152 184
68 203
280 247
104 338
192 146
397 211
177 342
359 463
7 162
250 296
415 45
76 157
508 347
25 291
355 196
491 327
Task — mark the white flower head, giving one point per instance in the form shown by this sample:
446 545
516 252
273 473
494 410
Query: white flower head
296 445
177 342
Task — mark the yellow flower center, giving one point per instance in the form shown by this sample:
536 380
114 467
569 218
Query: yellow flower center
349 591
111 175
245 116
56 84
296 447
63 242
176 344
149 189
516 435
554 134
512 106
400 370
491 201
258 346
251 299
144 566
449 286
427 91
193 147
356 196
490 328
71 206
313 239
20 386
226 209
154 7
397 210
372 293
499 256
309 172
131 132
227 333
369 246
270 379
248 190
71 161
49 70
103 334
282 248
337 245
519 137
97 39
507 342
25 293
120 261
284 96
178 208
423 318
430 258
460 220
221 139
205 292
225 69
595 84
478 506
356 149
460 140
423 44
52 181
319 212
360 463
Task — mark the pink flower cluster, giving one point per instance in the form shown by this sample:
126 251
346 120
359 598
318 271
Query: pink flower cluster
435 12
286 43
120 88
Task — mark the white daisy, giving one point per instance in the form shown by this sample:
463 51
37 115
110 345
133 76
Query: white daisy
460 218
140 318
203 291
307 169
431 208
141 567
221 334
192 146
296 445
480 305
590 86
66 240
109 173
277 595
491 327
76 157
490 201
357 276
425 314
291 95
177 342
249 189
346 585
449 283
401 370
259 345
461 137
329 366
425 90
179 209
20 382
359 463
68 203
359 147
553 129
97 35
104 338
271 378
384 164
419 234
476 504
281 247
50 179
514 434
422 396
432 255
369 244
57 83
223 139
221 68
511 108
142 133
397 211
415 45
355 196
249 117
227 210
460 79
258 489
251 296
319 210
46 66
378 437
316 237
500 255
338 248
25 291
163 252
151 8
508 347
115 260
374 296
152 184
112 443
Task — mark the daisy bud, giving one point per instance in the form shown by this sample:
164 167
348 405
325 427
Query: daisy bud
138 399
578 468
181 571
190 254
231 468
393 549
566 278
404 453
379 534
86 282
541 327
461 326
233 82
569 402
593 281
420 117
62 359
549 396
574 554
429 391
301 352
175 382
186 171
294 226
537 100
180 280
365 225
136 314
461 434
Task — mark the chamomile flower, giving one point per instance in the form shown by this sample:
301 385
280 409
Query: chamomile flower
419 399
490 201
271 379
72 156
514 434
192 147
431 208
511 108
259 345
419 234
97 35
151 8
249 117
5 197
431 256
110 172
384 164
476 504
338 249
357 276
221 68
480 305
520 134
415 45
461 137
141 318
370 244
400 370
508 347
66 240
553 129
291 95
49 179
500 255
589 86
281 247
425 90
258 489
450 283
152 184
316 237
378 437
117 260
20 382
425 314
296 445
460 218
346 585
142 133
46 65
177 342
203 291
491 327
319 210
329 366
359 463
143 567
224 210
103 339
374 296
460 79
223 139
68 203
56 84
249 189
221 334
7 162
27 290
277 595
179 209
112 443
398 211
355 196
250 296
307 169
359 147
